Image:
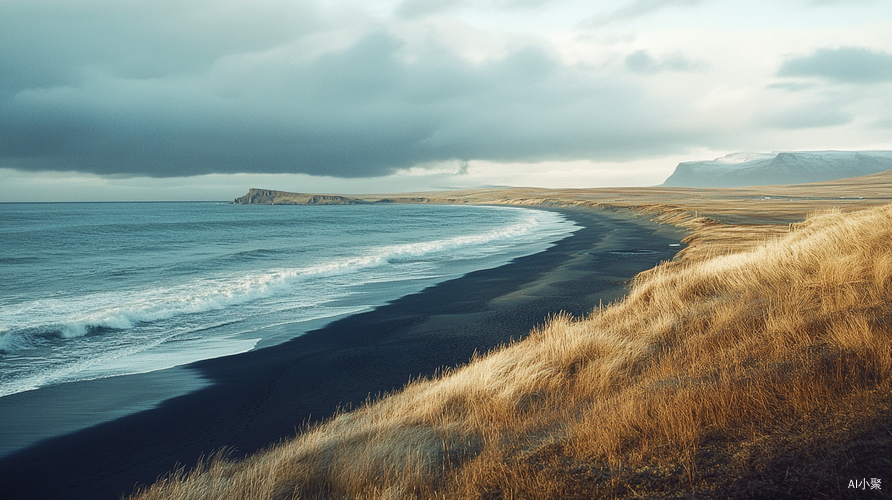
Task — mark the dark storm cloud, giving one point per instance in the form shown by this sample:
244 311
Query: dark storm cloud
161 89
845 64
52 42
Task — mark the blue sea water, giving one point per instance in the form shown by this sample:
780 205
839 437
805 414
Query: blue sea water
94 290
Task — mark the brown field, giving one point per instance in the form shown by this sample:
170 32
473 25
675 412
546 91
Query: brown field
758 363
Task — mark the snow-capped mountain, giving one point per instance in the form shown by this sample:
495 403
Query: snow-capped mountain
762 169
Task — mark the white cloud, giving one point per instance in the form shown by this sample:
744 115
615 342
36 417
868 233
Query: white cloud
634 9
642 62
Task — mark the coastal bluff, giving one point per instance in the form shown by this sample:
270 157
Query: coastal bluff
270 197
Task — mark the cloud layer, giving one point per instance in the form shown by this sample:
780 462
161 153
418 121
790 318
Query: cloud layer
844 64
213 94
166 88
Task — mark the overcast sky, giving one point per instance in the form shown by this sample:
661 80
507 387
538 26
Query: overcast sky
202 99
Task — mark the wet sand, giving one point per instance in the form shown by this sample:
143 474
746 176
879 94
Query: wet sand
258 398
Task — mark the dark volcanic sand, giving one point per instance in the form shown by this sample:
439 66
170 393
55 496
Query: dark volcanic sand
262 396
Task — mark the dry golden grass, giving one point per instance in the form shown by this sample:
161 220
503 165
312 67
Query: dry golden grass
762 369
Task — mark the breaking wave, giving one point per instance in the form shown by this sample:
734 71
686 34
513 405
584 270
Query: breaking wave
85 307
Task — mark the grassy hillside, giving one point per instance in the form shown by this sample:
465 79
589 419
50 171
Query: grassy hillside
761 369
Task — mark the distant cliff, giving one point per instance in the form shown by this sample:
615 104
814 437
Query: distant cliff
269 197
762 169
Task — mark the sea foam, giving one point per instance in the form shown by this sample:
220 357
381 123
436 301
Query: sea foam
123 309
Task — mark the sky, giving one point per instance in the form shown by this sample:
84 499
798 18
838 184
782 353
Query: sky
115 100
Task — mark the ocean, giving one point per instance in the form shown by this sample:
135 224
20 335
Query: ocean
96 290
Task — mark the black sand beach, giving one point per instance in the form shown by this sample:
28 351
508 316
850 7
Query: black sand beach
262 396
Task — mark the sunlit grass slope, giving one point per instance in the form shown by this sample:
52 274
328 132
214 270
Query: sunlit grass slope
765 372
